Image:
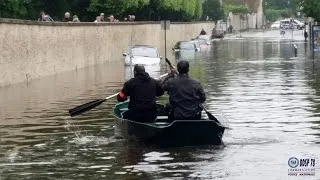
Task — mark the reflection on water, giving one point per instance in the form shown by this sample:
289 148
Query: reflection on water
269 97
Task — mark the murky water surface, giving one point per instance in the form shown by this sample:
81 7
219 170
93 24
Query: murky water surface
269 97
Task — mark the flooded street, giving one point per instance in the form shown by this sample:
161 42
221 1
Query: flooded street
269 97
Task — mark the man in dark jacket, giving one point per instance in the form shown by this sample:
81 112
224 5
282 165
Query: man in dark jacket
142 90
185 95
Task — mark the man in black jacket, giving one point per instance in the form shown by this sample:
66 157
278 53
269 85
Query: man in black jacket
185 95
142 90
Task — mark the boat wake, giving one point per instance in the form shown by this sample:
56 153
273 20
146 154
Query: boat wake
251 141
94 140
82 137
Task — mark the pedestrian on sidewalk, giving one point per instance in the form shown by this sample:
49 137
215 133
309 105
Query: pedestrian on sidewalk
305 35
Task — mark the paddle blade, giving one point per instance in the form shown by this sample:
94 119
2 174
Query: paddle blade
211 117
85 107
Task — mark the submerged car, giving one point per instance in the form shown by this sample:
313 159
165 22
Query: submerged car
187 50
203 43
142 54
186 46
154 71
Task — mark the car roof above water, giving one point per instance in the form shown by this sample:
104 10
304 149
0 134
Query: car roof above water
141 45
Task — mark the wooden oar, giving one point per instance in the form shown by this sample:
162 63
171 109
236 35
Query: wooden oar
169 63
90 105
210 116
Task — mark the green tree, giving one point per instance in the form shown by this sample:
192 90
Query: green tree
118 8
237 9
13 9
311 8
278 4
198 10
287 8
213 9
275 14
178 10
87 10
80 8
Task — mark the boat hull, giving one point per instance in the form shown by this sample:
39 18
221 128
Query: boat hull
161 133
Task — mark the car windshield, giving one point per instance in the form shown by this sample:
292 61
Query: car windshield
186 46
145 51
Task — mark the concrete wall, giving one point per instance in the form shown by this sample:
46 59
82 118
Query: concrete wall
260 15
249 21
30 50
252 21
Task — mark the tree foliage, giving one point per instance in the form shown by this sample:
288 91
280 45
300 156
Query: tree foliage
276 14
13 9
213 9
118 8
178 10
276 9
311 8
237 9
278 4
87 10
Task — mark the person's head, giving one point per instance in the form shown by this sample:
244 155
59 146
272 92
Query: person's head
138 69
101 16
183 67
111 18
203 32
67 15
75 18
42 14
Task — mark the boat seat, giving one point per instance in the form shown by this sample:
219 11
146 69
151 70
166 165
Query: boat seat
162 117
124 109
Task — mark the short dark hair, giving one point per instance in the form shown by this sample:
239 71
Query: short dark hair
183 67
139 69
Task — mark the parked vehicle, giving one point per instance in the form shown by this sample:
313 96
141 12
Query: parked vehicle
153 70
221 25
217 33
275 25
300 24
186 46
291 24
203 43
142 54
205 37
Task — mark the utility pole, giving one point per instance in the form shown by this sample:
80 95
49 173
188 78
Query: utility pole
165 24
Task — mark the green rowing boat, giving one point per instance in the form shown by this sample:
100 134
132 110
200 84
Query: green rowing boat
163 133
